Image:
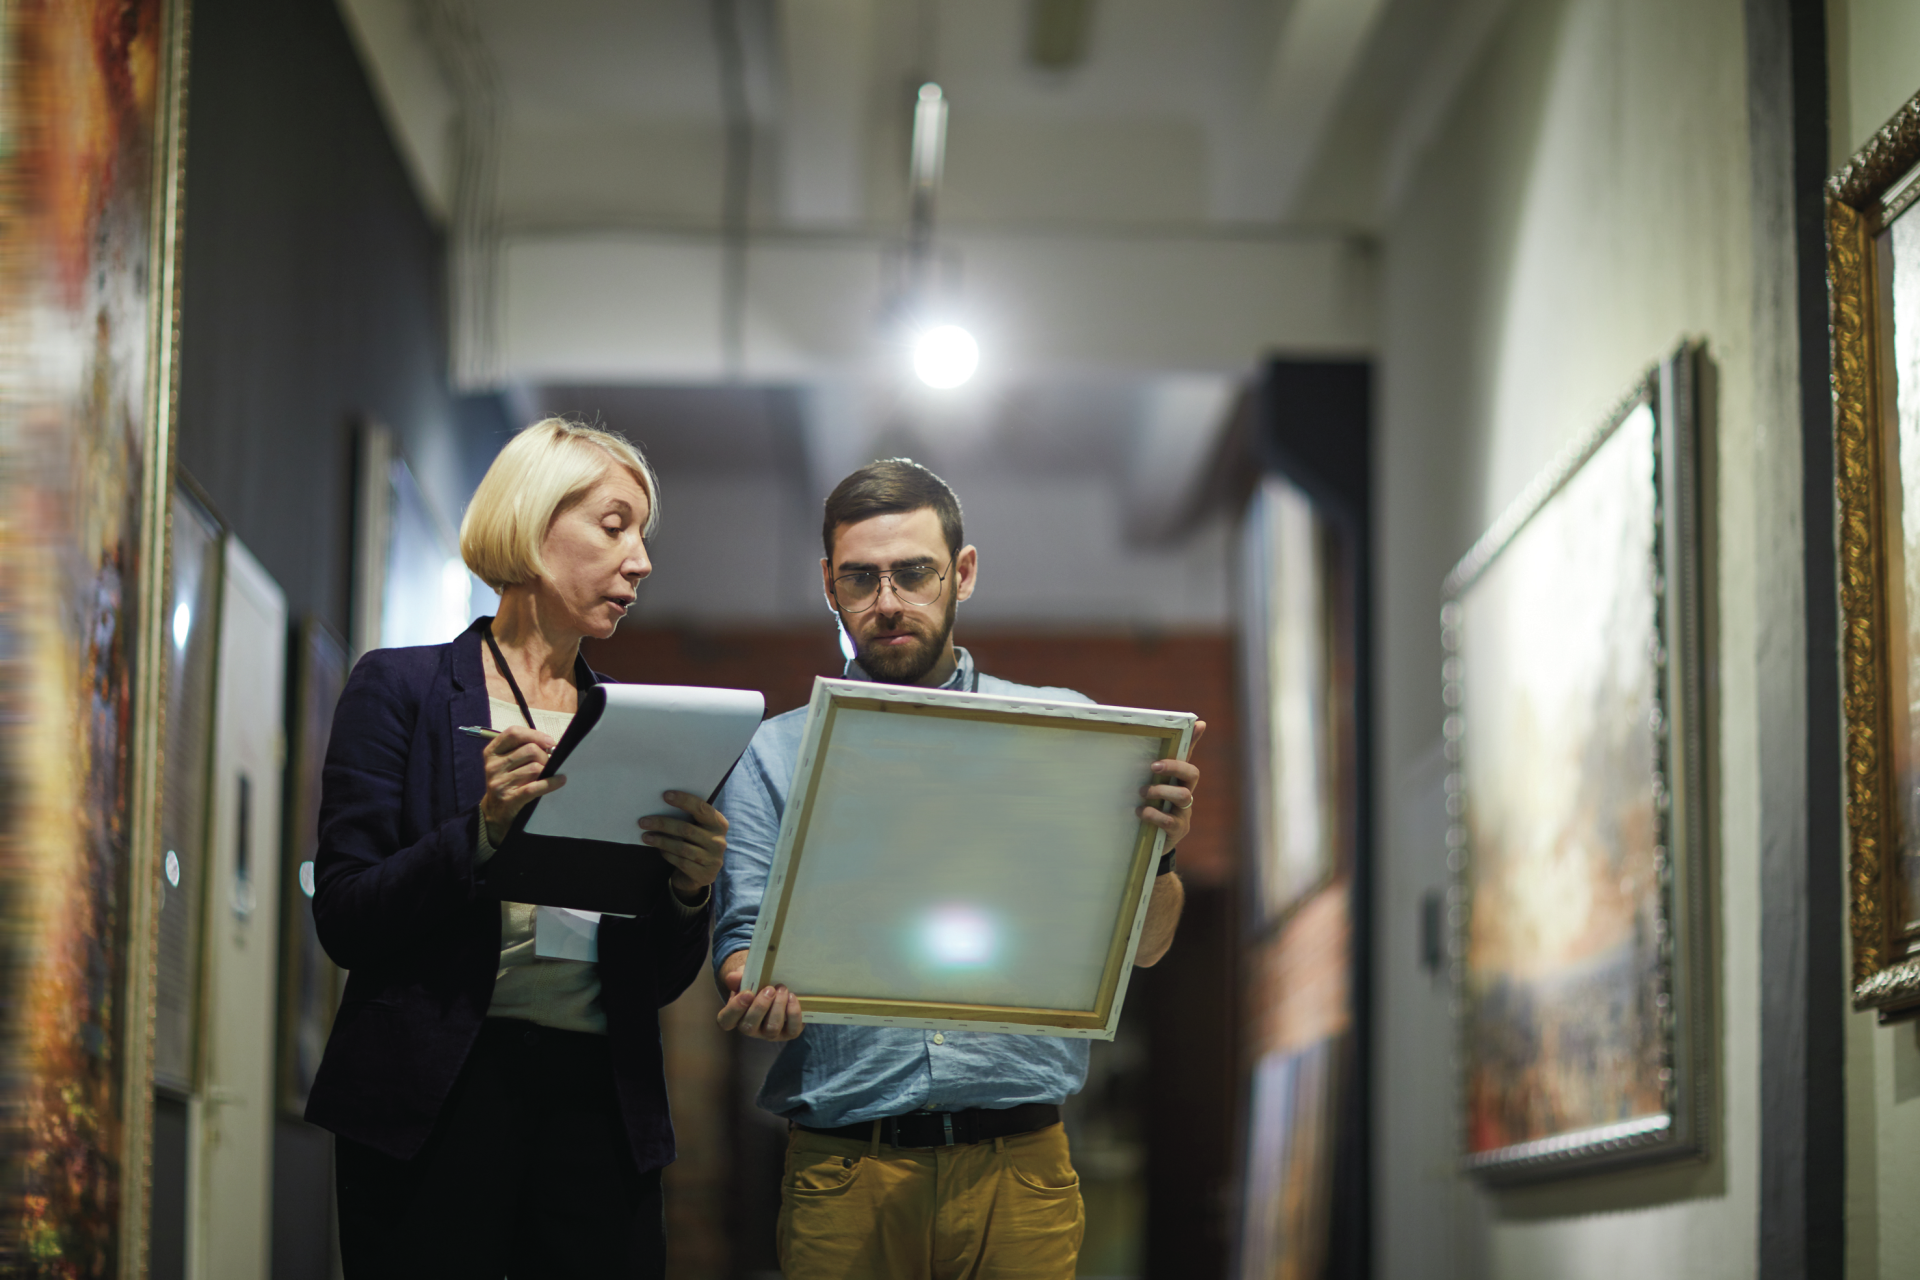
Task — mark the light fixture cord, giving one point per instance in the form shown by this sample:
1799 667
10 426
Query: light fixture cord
737 188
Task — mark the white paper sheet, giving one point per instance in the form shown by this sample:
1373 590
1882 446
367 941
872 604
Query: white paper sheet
651 738
561 933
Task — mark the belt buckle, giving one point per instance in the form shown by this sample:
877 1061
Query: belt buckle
946 1125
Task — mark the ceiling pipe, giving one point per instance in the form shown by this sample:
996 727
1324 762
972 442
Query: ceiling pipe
737 185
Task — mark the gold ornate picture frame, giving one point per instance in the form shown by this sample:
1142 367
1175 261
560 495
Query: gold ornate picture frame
92 106
1873 281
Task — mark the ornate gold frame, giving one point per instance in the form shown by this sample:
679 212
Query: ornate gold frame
148 746
1855 205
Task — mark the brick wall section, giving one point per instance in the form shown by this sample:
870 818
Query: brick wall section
1300 977
1178 672
780 664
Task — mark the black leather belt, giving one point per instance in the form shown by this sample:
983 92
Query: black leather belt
950 1128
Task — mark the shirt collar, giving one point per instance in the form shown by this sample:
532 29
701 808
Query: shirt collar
960 681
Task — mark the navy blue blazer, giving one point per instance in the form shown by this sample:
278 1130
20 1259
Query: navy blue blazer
396 905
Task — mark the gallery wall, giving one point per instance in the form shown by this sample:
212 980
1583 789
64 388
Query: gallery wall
1584 209
1874 55
312 296
1873 58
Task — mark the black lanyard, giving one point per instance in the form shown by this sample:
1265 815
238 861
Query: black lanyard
506 671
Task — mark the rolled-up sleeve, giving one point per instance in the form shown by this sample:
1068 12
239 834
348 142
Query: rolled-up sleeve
754 801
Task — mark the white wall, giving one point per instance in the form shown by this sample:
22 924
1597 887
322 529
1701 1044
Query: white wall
1874 63
646 307
1875 68
1583 209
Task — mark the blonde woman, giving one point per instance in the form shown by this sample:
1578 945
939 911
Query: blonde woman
495 1112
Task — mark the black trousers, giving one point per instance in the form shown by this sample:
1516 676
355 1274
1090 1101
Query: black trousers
527 1174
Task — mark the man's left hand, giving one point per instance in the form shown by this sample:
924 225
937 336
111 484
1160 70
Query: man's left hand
1174 782
694 849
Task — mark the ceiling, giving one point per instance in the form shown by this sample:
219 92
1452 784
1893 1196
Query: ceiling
687 218
1179 116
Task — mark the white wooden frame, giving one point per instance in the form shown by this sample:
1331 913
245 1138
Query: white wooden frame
1170 735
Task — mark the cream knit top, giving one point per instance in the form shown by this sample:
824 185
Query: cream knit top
564 994
554 993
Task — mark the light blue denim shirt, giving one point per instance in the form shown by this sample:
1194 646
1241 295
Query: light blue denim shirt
834 1075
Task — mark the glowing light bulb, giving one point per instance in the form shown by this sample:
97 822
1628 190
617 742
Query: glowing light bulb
182 624
945 356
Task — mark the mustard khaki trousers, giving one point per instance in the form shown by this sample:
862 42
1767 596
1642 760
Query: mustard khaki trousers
1008 1209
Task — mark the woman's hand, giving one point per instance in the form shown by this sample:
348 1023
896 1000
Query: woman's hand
695 850
514 760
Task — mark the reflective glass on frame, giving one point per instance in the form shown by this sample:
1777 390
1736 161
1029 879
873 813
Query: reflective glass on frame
193 610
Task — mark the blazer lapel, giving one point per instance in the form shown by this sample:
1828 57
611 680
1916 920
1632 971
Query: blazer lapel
468 705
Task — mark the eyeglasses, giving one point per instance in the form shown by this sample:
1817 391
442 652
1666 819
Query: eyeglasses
912 584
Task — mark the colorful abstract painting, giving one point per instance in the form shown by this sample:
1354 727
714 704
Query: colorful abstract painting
1899 254
80 149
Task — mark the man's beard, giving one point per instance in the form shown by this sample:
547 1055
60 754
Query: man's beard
907 663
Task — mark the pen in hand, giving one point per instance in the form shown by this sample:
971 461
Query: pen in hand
480 731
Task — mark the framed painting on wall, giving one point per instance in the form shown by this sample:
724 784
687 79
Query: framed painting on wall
309 981
1873 276
1297 665
1287 1167
197 553
1577 731
410 586
90 179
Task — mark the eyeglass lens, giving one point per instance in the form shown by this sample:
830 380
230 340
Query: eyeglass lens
858 591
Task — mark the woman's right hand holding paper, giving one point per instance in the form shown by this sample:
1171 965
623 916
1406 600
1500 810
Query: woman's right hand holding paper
514 760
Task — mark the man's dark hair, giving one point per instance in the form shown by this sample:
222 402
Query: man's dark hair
885 487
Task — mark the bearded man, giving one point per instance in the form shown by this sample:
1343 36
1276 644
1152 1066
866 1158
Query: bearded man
911 1153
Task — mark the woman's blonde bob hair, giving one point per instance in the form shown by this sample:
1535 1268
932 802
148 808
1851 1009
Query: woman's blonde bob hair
543 470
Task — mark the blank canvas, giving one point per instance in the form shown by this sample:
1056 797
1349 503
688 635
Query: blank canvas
962 850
